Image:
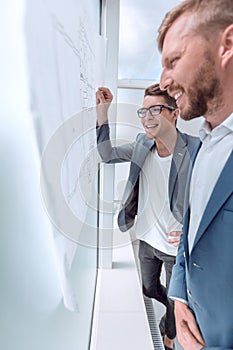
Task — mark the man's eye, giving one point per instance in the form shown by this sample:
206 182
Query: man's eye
155 109
173 62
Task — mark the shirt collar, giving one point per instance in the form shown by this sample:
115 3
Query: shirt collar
221 130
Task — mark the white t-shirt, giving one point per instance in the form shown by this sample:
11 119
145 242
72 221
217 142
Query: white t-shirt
155 219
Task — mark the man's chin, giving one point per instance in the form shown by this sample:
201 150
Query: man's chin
189 113
188 117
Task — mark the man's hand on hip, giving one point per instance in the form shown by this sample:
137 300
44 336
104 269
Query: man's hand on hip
174 238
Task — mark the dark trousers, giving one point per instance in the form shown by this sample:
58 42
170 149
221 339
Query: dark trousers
151 262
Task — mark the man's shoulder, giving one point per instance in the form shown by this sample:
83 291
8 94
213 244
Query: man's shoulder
143 140
141 137
189 139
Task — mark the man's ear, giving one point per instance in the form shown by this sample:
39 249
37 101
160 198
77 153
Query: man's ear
175 115
226 48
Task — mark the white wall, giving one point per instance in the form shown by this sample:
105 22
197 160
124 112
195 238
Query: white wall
32 314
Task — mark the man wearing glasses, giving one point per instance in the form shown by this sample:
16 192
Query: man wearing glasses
160 161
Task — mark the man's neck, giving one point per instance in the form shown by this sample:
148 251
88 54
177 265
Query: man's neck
166 144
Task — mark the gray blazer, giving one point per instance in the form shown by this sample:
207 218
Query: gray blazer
136 153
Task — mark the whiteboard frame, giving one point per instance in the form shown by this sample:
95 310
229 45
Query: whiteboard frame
110 12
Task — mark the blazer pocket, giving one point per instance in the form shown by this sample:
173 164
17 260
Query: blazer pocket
228 217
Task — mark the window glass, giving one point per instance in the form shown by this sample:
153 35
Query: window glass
139 57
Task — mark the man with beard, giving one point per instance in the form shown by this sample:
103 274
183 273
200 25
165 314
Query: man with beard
196 41
160 160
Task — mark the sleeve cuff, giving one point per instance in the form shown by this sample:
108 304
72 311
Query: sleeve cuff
179 299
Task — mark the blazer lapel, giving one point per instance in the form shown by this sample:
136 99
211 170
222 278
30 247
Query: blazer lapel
223 189
177 159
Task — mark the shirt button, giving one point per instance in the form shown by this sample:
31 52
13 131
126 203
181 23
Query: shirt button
196 265
189 293
209 149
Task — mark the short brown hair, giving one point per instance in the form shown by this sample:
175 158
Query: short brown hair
154 90
211 16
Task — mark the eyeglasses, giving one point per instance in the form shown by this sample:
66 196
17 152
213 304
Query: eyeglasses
154 110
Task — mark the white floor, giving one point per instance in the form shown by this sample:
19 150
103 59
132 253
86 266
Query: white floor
120 319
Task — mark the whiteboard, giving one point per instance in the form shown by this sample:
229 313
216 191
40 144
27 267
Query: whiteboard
66 60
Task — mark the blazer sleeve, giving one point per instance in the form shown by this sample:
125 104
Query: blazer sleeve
107 152
177 287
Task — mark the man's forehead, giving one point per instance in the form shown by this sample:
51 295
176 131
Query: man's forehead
179 30
153 100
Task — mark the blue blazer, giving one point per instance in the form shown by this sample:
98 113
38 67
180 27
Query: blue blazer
205 277
136 153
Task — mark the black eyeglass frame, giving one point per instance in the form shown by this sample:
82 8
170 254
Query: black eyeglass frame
170 108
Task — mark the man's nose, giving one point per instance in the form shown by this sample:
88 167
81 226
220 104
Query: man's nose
148 115
165 80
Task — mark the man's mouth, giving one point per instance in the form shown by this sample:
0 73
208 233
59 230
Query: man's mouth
151 126
177 95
